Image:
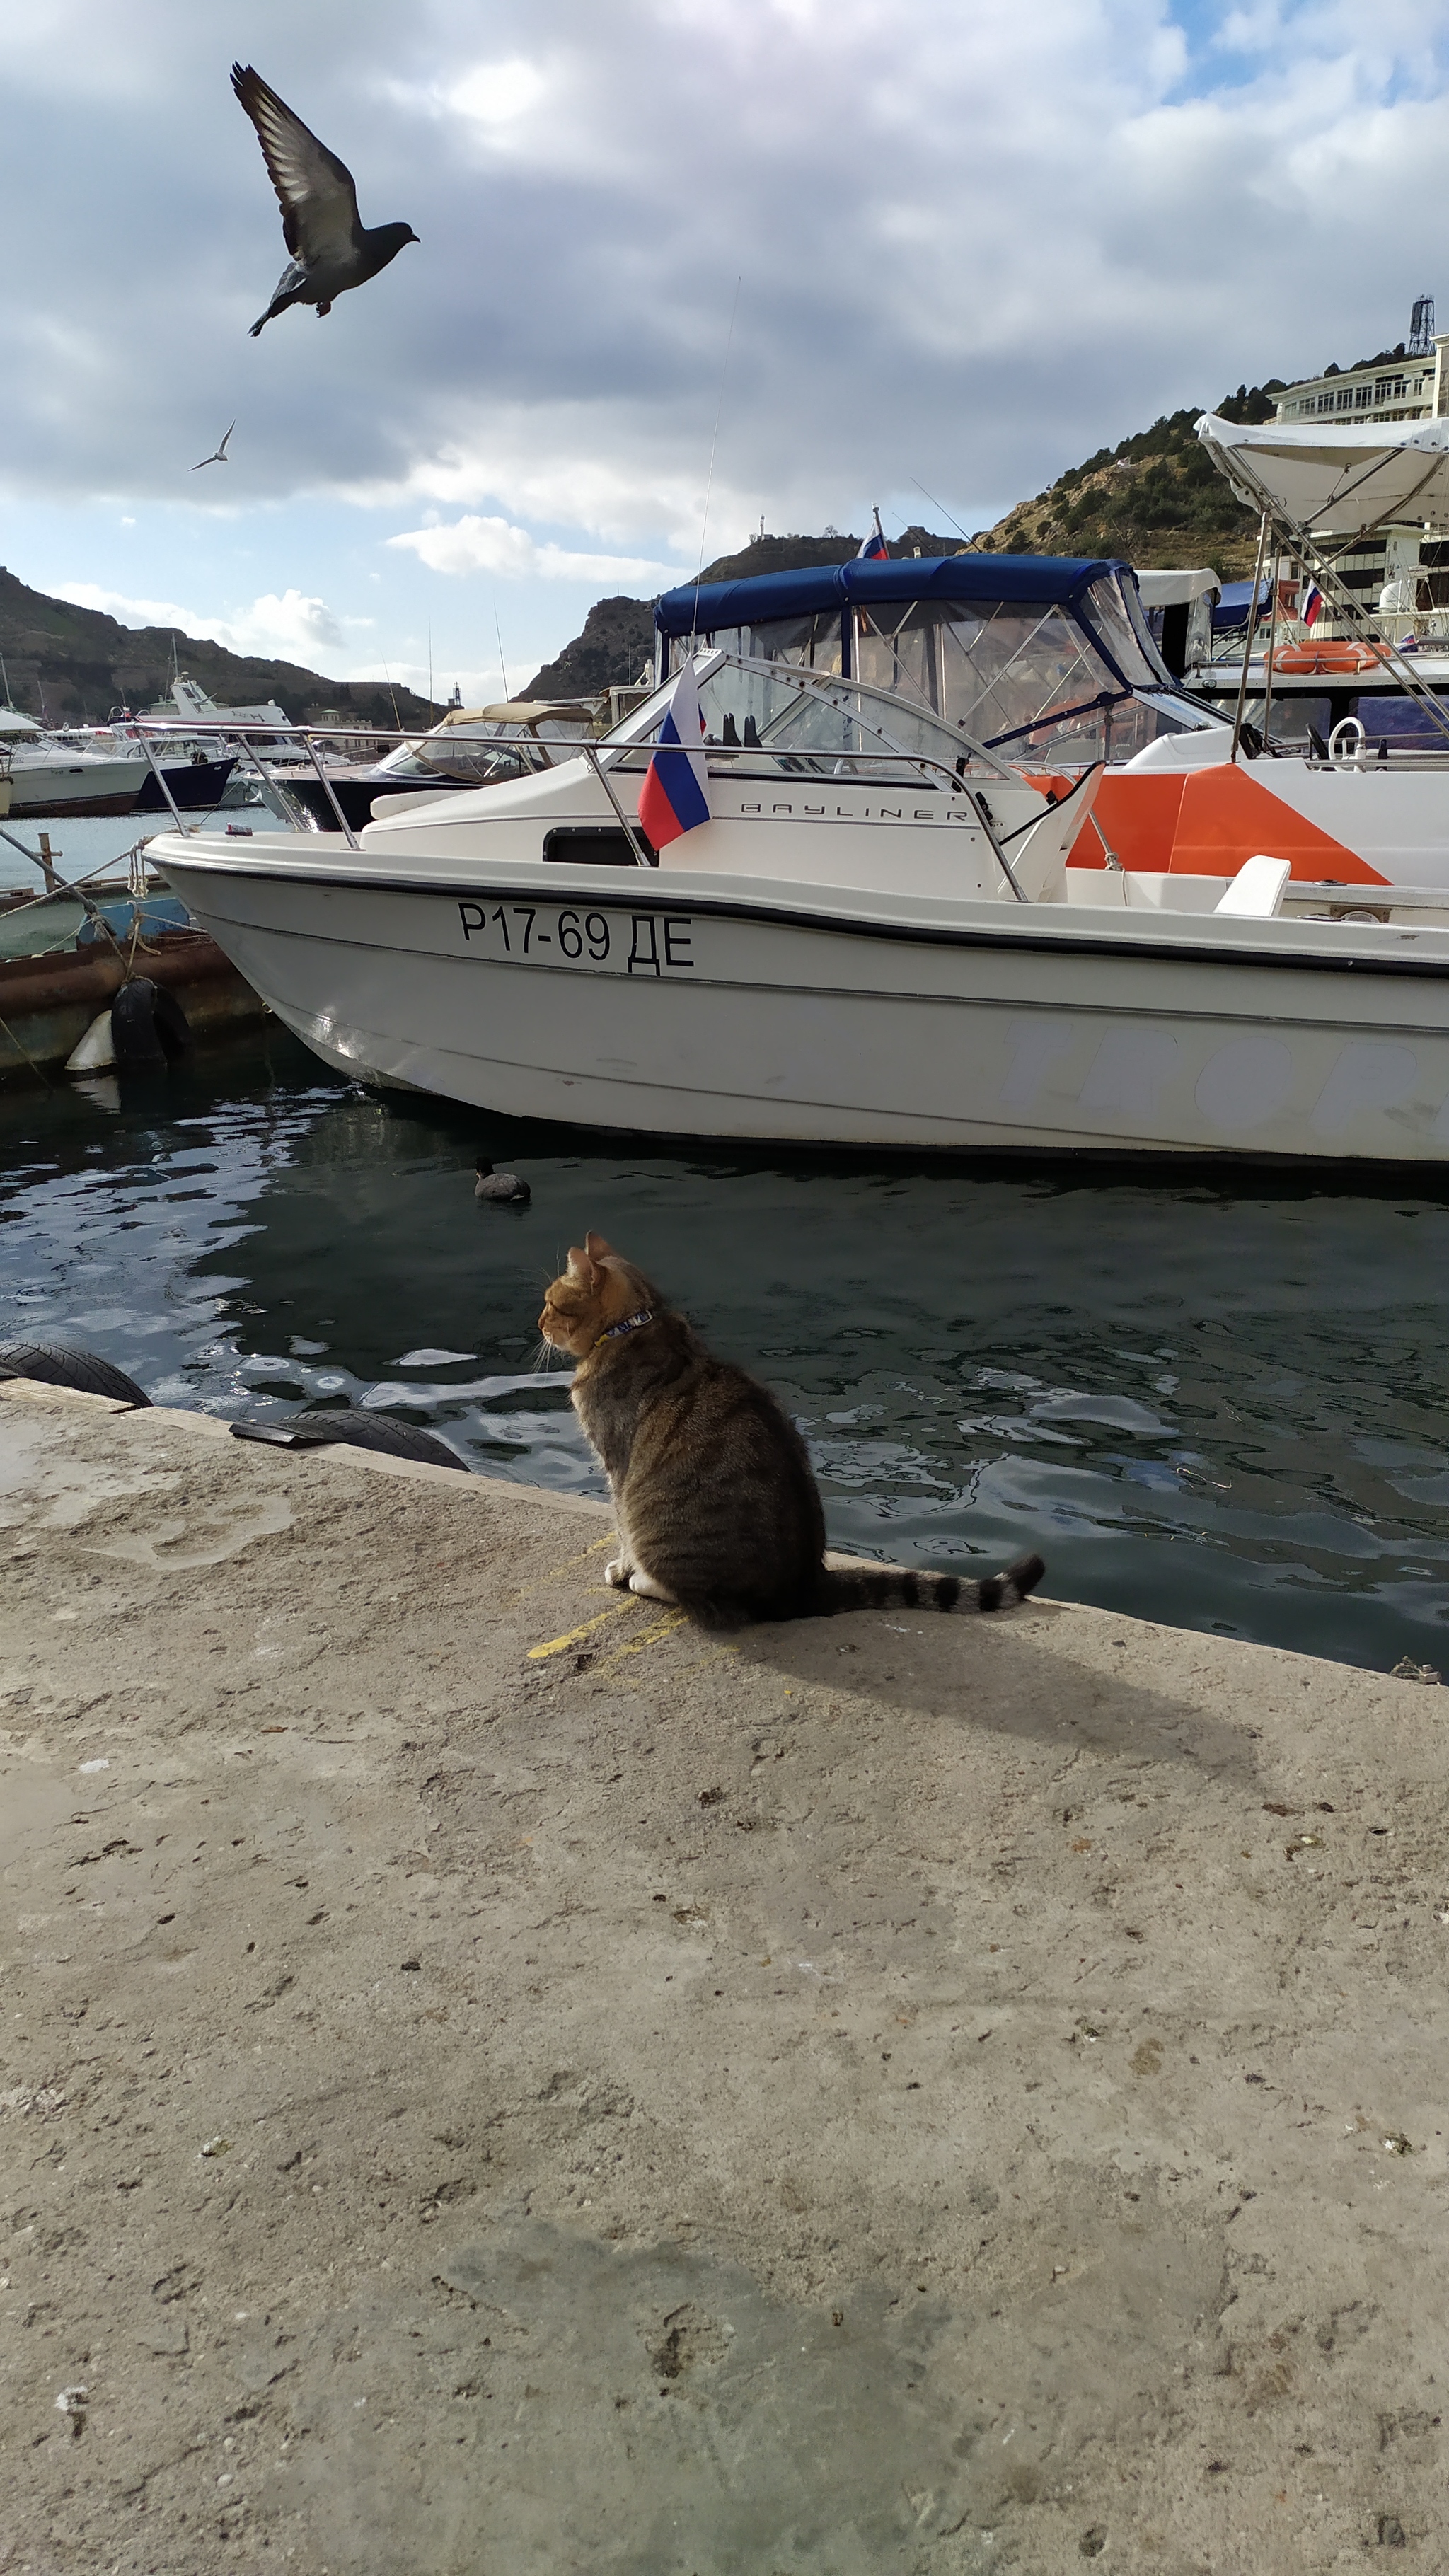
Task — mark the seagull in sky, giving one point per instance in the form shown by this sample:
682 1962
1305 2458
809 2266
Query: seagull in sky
218 456
331 249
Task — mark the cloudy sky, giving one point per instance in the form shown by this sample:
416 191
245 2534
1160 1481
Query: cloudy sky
964 244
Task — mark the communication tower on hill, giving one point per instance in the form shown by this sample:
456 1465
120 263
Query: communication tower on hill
1421 329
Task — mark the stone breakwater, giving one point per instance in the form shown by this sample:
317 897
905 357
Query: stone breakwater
495 2078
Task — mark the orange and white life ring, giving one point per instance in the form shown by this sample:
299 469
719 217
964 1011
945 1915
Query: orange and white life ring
1323 661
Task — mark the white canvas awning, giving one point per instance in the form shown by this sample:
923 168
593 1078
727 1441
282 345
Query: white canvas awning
1177 589
1333 481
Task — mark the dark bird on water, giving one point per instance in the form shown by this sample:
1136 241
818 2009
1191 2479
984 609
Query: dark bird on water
505 1189
331 249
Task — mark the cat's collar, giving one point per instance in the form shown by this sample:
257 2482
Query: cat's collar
630 1324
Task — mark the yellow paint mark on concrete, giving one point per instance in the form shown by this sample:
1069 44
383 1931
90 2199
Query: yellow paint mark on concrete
542 1581
556 1645
653 1635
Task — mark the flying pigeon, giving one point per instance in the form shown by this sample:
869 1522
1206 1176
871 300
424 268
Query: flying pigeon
331 250
219 456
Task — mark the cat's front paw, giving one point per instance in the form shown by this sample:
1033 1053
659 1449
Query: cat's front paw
617 1572
649 1588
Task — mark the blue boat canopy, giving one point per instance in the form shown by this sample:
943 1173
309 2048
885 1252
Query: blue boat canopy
1026 581
1047 659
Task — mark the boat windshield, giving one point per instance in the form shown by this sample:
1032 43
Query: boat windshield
786 720
1045 686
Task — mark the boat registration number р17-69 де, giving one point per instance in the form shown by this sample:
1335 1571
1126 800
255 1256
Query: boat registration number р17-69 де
625 943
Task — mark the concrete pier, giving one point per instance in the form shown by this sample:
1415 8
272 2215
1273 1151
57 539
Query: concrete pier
497 2081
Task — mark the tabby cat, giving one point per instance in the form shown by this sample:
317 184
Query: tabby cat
716 1504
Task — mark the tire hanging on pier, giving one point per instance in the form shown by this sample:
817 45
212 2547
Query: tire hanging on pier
148 1024
354 1431
52 1364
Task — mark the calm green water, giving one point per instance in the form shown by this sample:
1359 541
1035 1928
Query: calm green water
1229 1410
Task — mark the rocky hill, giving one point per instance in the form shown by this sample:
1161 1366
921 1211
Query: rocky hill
72 665
617 644
615 648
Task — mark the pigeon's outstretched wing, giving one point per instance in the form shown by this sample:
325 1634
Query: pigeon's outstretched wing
315 189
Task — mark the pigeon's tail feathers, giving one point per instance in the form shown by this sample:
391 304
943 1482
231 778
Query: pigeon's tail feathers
889 1588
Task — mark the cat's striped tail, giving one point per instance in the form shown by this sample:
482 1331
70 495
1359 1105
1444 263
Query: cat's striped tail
888 1588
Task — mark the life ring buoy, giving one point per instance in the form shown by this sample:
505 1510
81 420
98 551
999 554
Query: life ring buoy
1322 661
148 1024
52 1364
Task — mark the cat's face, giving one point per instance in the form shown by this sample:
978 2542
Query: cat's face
598 1289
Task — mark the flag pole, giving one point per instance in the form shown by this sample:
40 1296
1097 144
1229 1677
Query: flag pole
1248 634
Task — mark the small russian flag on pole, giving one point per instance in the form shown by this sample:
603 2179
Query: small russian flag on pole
1312 605
674 797
873 549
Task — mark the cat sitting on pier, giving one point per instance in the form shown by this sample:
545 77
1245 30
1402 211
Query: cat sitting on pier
717 1508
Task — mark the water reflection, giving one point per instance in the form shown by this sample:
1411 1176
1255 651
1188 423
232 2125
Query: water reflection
1224 1410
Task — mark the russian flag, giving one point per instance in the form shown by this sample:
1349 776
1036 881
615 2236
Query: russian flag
673 798
873 549
1311 608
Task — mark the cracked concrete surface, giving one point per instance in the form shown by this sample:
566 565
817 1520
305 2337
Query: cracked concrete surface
494 2080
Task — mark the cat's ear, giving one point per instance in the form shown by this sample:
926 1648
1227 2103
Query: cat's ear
582 1267
596 1247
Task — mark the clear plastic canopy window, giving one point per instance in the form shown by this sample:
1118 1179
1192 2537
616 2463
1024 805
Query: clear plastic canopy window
774 723
1048 688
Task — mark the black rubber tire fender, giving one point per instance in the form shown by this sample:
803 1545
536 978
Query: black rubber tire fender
355 1431
148 1024
52 1364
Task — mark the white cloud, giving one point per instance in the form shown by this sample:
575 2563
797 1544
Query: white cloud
975 243
497 94
496 546
290 627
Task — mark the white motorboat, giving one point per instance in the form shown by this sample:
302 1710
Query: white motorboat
873 940
1051 662
46 776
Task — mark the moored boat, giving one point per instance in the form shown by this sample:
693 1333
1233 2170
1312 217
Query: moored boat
872 940
1051 662
47 776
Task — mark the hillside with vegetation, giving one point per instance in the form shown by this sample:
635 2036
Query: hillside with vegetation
69 665
1155 500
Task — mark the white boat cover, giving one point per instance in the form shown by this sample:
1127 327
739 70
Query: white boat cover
1178 589
1334 481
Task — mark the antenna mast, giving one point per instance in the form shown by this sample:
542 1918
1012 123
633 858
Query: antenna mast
1421 329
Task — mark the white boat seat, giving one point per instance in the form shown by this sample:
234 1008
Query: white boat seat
1256 892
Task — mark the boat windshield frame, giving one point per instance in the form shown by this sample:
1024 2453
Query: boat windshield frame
867 707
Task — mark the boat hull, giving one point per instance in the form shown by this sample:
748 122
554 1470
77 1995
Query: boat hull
713 1007
62 795
196 786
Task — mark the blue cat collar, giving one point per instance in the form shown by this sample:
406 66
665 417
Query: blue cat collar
630 1324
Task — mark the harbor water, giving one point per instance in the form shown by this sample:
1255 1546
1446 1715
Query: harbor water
1224 1405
